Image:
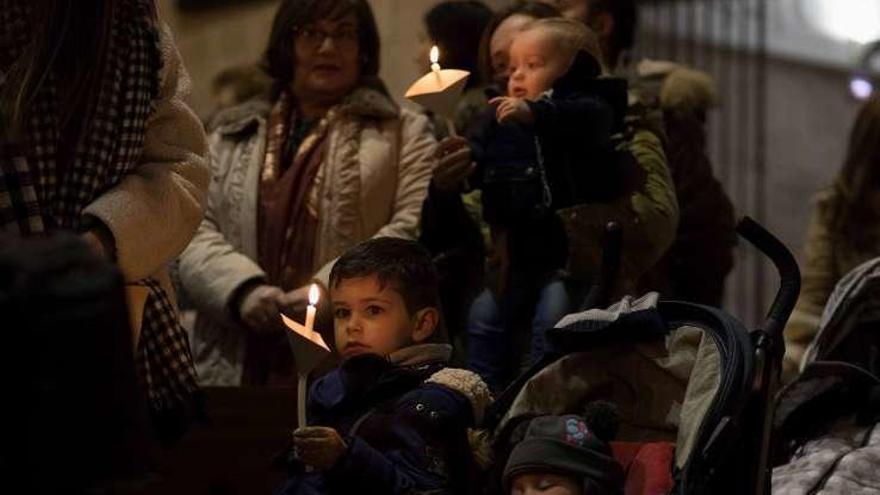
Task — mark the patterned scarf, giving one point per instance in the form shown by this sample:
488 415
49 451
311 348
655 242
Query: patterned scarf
38 195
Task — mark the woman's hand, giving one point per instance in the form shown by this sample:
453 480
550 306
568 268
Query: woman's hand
318 446
261 306
294 303
455 164
512 110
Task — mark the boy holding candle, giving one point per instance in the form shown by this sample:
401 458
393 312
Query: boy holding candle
391 418
549 144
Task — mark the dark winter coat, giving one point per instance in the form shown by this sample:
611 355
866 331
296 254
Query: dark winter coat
566 157
696 265
405 427
563 158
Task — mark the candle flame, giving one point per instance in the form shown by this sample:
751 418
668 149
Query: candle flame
314 294
435 54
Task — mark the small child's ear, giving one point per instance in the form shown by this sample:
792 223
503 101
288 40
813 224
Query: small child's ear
424 323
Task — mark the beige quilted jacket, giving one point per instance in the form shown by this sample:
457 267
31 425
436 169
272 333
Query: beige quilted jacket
372 183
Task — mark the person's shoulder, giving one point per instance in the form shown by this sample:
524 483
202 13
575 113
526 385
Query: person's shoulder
328 390
450 394
239 118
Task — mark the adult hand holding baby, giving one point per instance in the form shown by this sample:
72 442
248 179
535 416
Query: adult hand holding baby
318 446
455 164
512 110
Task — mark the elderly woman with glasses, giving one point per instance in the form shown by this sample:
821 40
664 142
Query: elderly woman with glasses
324 161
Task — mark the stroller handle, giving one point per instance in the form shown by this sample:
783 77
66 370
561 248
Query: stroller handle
786 265
769 346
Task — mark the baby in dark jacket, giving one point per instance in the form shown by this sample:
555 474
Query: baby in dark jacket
547 145
392 418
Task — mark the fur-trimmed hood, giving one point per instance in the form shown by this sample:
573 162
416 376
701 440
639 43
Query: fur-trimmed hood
369 101
468 384
679 88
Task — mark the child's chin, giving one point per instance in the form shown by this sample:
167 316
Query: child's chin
350 353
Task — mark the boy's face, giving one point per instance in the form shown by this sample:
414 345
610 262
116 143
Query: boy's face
545 484
370 318
535 63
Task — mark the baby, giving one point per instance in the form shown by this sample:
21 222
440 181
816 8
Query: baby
562 455
391 418
546 145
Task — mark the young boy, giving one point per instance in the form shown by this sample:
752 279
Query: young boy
562 455
391 419
548 145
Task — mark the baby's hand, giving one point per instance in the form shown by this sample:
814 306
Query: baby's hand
512 110
318 446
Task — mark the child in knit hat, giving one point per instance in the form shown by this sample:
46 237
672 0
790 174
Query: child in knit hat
562 455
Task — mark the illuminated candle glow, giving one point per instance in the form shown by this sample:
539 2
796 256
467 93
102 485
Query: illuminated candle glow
435 61
314 295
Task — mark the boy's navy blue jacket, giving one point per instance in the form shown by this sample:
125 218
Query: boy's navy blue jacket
406 433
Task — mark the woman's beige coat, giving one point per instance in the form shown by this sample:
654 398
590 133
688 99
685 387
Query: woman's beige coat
154 211
372 183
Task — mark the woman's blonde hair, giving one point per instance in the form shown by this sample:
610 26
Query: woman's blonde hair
858 182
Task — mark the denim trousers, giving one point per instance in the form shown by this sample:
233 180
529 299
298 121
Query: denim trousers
533 304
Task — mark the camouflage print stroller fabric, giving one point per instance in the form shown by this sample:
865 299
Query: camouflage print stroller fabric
826 421
663 388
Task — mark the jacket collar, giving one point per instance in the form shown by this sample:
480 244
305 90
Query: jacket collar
370 100
416 355
584 68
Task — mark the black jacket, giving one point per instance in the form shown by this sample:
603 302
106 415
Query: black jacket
566 157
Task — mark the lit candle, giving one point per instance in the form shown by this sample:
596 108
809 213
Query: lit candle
439 90
435 65
314 294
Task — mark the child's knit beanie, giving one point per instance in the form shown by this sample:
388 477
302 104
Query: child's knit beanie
566 445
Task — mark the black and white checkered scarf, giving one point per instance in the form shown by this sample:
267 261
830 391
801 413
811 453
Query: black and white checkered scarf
37 198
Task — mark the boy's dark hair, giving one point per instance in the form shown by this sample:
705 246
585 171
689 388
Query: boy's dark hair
278 61
457 28
404 265
625 17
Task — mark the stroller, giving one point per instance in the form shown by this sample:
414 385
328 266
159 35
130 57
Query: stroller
678 372
826 439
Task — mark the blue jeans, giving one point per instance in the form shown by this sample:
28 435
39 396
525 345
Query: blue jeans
492 321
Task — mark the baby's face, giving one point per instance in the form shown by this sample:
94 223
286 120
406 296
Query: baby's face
535 63
545 484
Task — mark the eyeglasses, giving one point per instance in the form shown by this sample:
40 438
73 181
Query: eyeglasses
313 37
